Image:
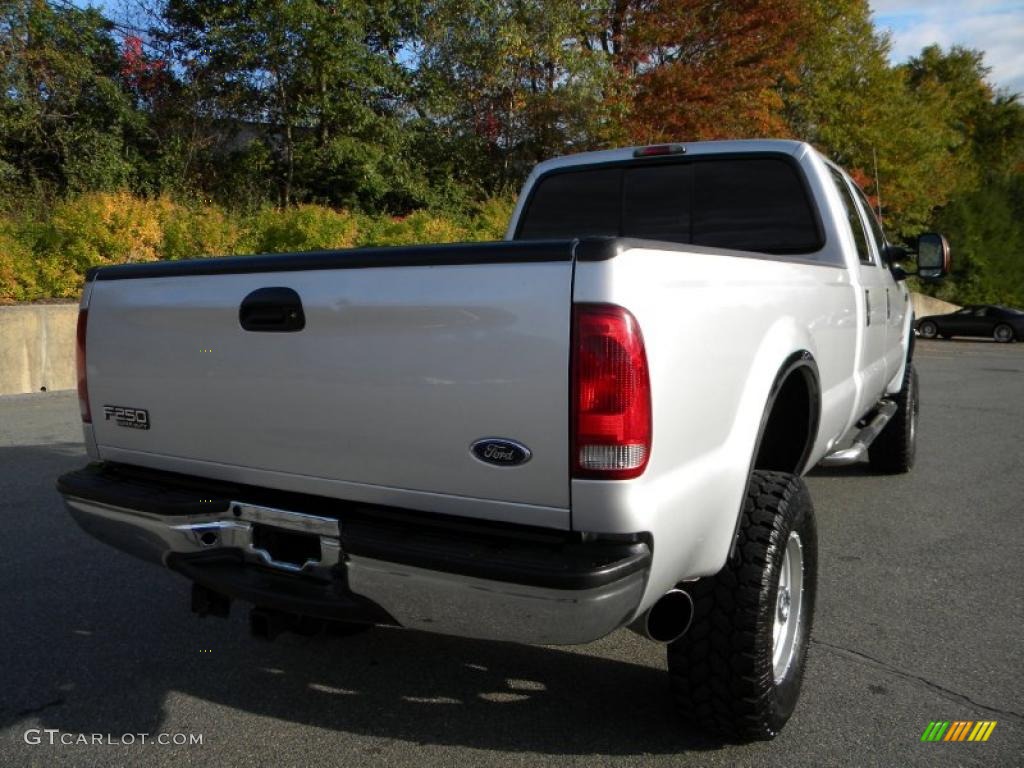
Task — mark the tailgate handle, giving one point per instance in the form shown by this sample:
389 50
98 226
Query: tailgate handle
272 310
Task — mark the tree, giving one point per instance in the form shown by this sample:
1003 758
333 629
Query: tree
983 215
319 85
702 69
861 112
986 125
508 83
66 121
986 232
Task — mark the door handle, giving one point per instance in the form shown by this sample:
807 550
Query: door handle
867 306
272 310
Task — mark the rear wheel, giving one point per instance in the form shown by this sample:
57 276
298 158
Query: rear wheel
1003 333
928 329
738 670
894 449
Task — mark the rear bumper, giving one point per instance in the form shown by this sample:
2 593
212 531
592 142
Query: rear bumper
373 565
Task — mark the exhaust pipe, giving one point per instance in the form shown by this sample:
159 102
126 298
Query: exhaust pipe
668 619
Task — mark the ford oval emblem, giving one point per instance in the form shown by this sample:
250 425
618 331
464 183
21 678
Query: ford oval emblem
500 452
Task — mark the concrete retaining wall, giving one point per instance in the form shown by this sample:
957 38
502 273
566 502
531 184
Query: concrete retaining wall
37 343
37 347
926 305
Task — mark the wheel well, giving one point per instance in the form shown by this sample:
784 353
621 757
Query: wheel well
792 424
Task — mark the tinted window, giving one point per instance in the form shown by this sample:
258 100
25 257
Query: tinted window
874 226
656 202
859 237
750 204
566 205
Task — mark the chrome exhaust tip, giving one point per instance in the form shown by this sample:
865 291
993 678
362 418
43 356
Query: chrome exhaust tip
669 618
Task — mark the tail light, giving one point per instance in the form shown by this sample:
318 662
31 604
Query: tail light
611 394
83 385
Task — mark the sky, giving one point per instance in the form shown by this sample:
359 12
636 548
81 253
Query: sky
993 26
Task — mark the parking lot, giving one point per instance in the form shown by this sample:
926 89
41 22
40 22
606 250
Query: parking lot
919 618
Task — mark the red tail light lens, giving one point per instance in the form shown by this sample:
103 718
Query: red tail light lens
83 386
611 394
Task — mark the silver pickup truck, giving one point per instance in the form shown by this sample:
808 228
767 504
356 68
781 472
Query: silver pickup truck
600 422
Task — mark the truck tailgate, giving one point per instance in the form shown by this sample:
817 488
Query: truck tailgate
398 369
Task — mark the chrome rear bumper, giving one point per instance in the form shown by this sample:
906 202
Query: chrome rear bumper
219 550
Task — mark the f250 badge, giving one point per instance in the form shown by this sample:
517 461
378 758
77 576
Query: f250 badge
133 418
500 452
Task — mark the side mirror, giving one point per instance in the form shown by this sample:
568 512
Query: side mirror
933 256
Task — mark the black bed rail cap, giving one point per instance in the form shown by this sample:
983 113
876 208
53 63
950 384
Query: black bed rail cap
497 252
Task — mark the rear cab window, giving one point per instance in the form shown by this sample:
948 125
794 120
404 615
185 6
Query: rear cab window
757 202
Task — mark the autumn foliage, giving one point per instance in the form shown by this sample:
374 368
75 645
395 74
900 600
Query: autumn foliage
704 69
143 74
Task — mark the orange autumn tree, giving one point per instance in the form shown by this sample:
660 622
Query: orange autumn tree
707 69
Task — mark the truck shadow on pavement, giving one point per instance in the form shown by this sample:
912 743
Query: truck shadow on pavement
103 643
863 469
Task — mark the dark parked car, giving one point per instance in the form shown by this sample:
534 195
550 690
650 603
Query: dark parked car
1000 323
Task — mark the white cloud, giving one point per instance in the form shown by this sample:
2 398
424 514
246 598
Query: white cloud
997 28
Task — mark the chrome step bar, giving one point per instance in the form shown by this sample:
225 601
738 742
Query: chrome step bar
859 449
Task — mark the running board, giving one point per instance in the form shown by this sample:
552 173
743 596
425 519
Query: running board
864 438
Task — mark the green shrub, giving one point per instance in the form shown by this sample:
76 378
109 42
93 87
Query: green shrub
93 229
190 231
418 227
19 276
490 219
302 228
100 228
46 254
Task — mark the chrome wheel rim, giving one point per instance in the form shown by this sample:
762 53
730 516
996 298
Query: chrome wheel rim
788 607
928 330
1002 333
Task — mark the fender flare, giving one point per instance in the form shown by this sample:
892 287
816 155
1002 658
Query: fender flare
798 363
910 334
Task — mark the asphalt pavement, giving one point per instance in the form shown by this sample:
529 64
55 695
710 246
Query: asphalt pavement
920 616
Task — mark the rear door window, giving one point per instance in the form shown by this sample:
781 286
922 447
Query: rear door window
860 238
755 203
874 225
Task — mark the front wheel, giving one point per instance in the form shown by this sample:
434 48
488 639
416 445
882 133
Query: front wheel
1003 333
928 329
738 670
